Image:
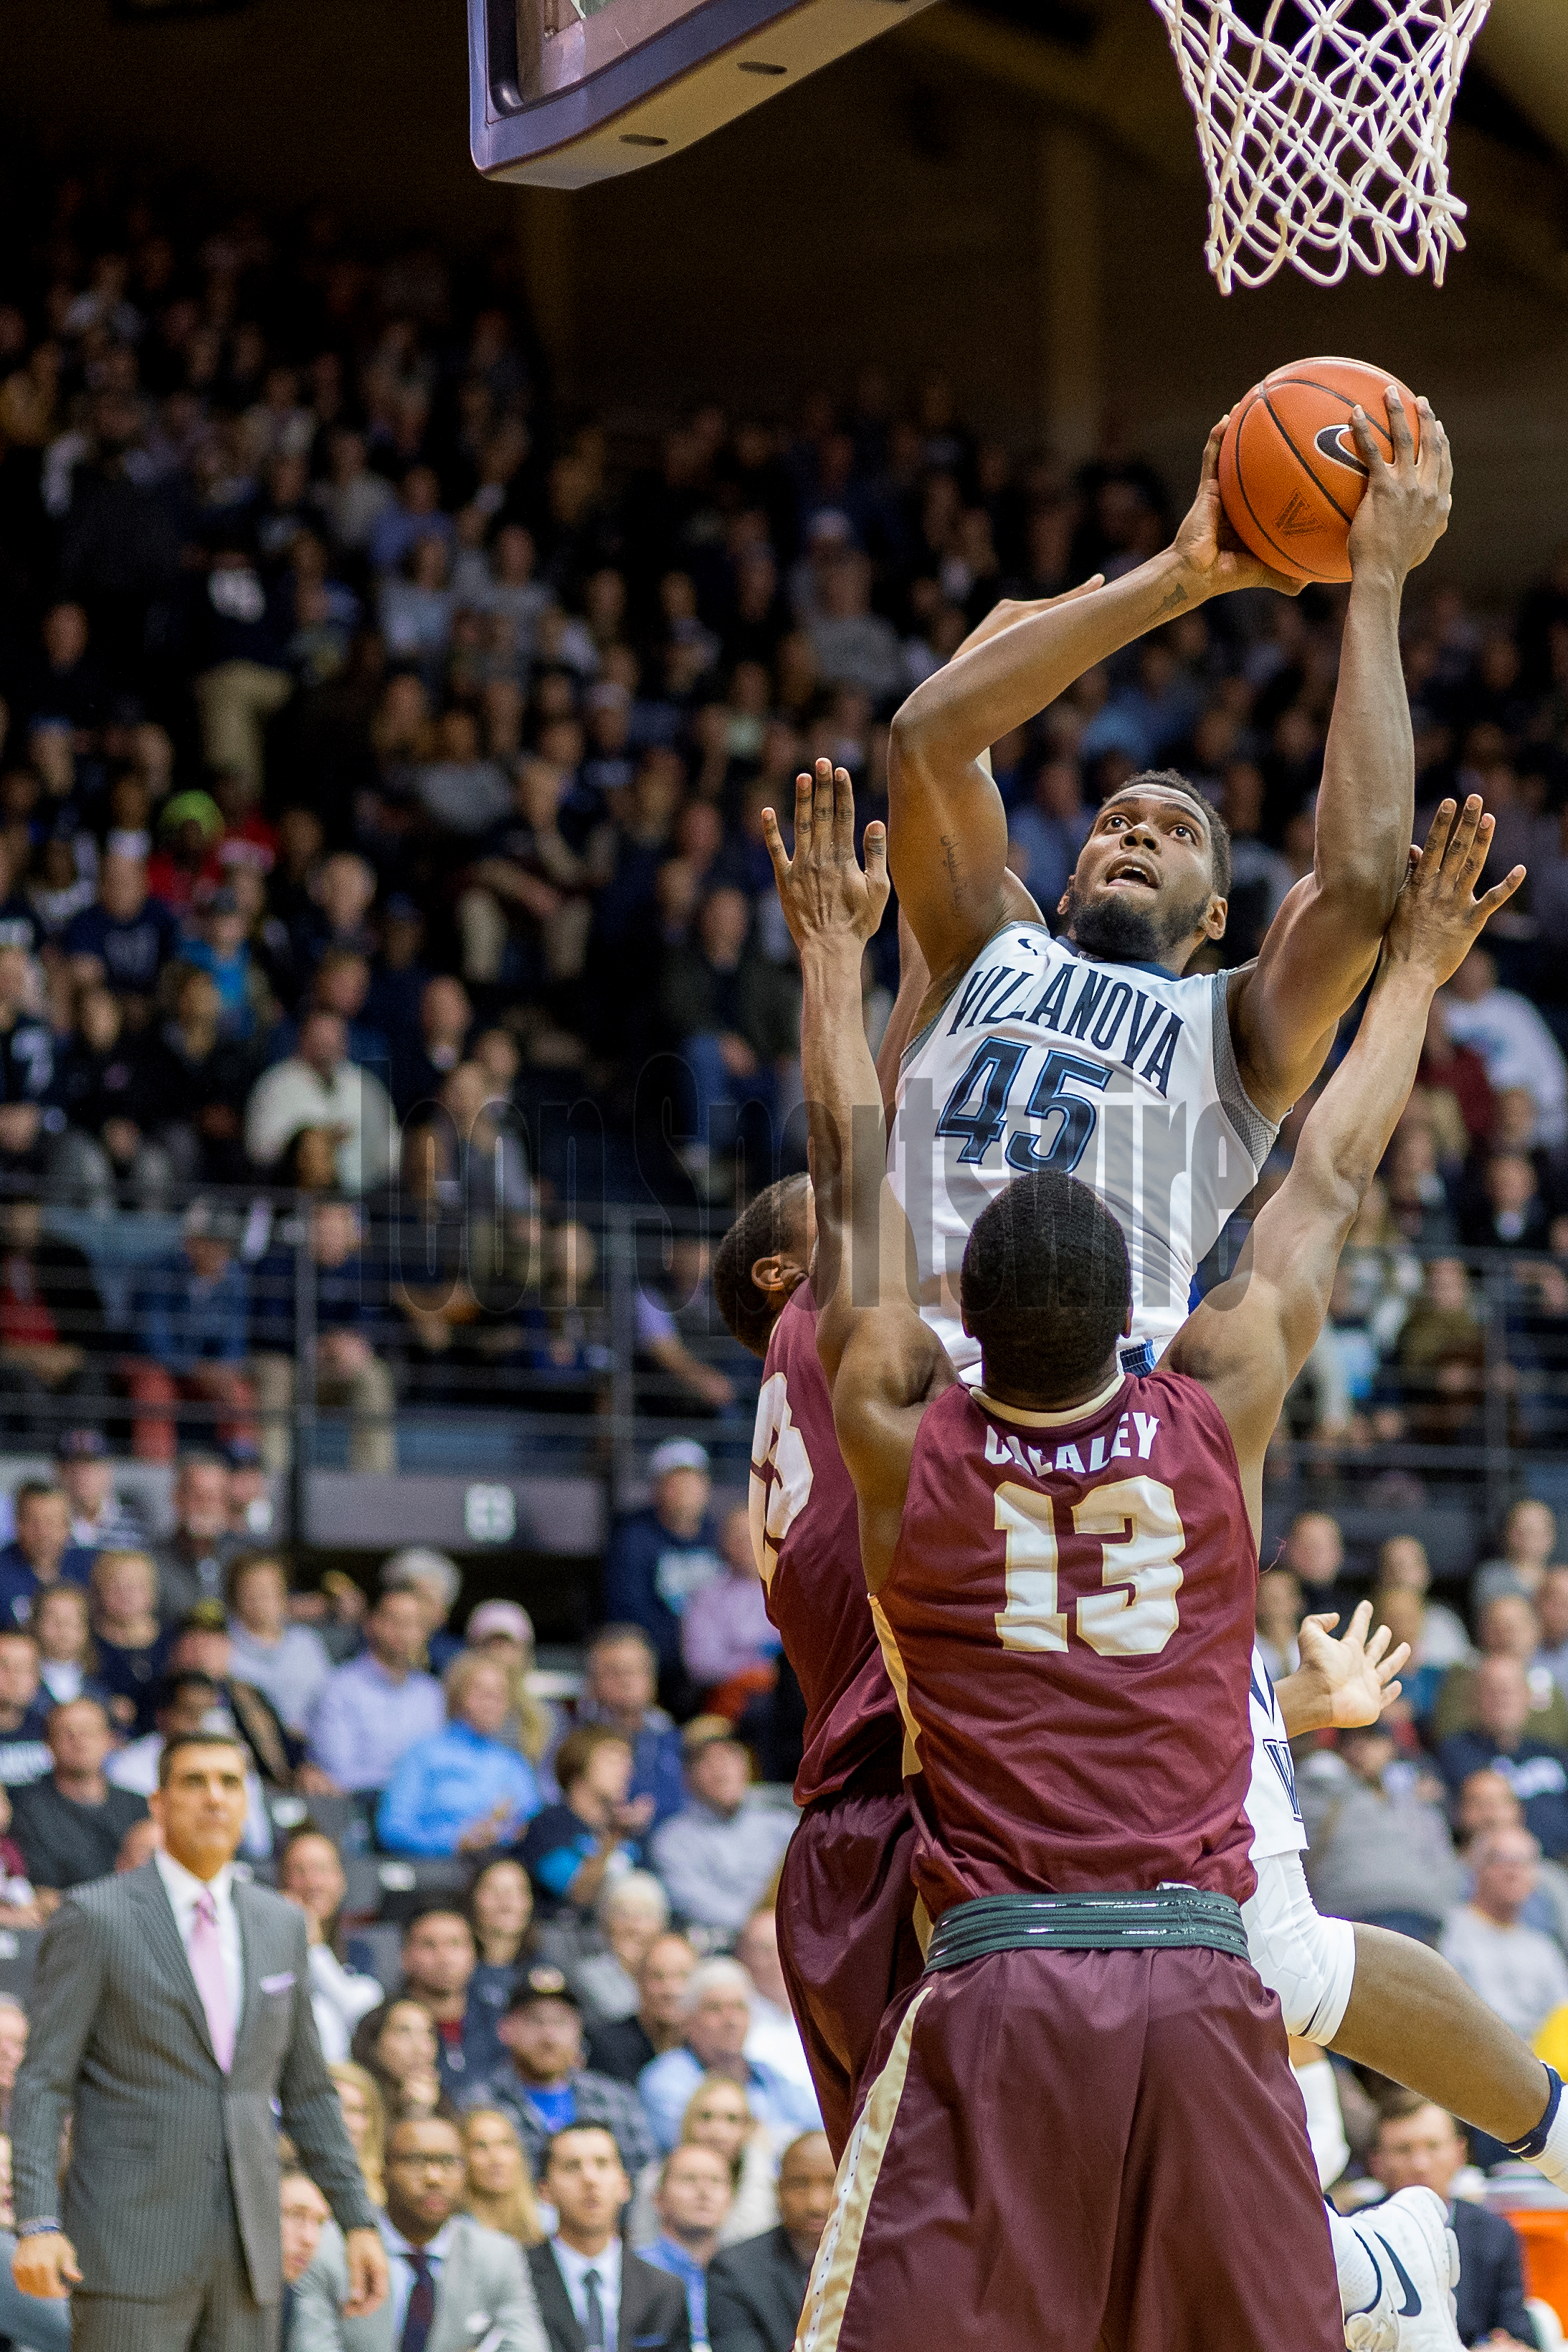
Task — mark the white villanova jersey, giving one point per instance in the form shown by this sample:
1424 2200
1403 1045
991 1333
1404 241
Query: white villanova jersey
1115 1072
1272 1806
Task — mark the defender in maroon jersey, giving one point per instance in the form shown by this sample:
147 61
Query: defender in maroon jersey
846 1897
1080 2127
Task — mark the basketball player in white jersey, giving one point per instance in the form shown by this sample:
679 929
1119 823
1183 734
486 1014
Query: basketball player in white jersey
1092 1053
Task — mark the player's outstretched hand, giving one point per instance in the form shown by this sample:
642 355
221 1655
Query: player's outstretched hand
1213 558
1439 919
1341 1685
1403 510
823 889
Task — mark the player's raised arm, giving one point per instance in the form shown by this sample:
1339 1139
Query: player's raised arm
1321 946
1250 1336
882 1363
947 826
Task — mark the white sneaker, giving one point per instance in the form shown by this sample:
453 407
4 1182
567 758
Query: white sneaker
1416 2258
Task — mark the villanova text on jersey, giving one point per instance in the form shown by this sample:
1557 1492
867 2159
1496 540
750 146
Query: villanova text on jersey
1121 1075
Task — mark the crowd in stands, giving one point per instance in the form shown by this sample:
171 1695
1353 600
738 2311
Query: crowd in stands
542 1954
382 745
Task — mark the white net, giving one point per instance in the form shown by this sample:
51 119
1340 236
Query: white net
1323 129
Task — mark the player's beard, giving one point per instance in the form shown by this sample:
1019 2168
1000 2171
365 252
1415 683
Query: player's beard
1113 928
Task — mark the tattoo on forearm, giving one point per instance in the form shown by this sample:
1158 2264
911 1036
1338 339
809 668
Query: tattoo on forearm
1177 596
950 860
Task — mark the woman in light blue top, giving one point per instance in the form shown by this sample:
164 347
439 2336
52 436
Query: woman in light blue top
463 1791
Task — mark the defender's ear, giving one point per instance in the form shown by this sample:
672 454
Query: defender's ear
777 1276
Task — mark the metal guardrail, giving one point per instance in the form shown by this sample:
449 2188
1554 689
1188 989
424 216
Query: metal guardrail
536 1343
565 1346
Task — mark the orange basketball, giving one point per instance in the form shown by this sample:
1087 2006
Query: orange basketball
1289 474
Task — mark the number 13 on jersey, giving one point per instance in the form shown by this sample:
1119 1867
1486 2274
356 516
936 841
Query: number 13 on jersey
1142 1541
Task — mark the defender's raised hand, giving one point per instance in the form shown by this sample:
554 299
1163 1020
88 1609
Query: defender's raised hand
1438 918
1403 510
1341 1685
823 889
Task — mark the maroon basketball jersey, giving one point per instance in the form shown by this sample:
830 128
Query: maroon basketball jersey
805 1532
1069 1619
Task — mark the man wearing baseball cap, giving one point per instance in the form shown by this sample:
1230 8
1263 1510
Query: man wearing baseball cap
659 1557
100 1521
545 2087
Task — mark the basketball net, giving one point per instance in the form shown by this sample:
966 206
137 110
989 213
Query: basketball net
1323 130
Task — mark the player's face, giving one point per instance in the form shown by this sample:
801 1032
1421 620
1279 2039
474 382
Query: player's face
1144 880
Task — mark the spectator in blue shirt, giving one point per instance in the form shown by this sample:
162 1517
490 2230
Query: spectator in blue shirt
351 1321
594 1832
190 1317
464 1790
622 1671
716 2003
659 1557
127 938
193 1307
691 2201
41 1553
544 2087
373 1710
220 948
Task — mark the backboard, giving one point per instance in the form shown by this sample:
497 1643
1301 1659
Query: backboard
564 92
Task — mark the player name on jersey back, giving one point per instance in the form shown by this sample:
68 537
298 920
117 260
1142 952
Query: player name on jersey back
1068 1623
1121 1075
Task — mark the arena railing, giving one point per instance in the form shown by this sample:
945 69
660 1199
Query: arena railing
562 1342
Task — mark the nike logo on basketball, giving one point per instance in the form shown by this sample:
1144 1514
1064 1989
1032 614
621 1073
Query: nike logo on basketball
1296 516
1331 441
1412 2302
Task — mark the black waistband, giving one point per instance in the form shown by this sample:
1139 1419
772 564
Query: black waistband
1168 1918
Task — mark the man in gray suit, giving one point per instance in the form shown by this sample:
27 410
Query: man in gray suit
456 2285
171 2006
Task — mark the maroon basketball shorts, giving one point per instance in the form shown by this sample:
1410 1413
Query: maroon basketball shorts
1079 2151
846 1937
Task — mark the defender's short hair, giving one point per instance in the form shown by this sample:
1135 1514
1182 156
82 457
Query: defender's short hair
1170 779
764 1228
1045 1285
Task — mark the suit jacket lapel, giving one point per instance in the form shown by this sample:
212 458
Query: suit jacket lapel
790 2282
636 2292
250 1915
152 1898
458 2295
555 2303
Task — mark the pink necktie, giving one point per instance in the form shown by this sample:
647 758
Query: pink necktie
206 1959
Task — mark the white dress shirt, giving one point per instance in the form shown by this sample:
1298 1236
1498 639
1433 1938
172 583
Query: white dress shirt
574 2268
184 1892
400 2263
